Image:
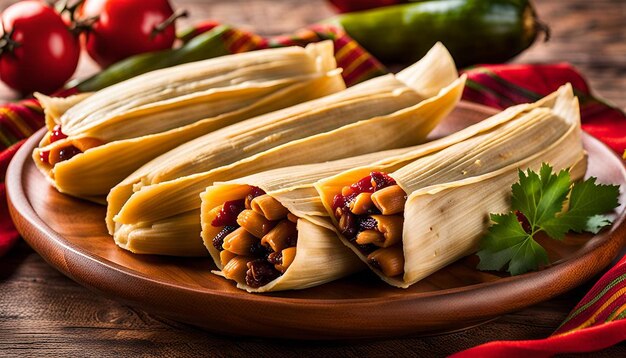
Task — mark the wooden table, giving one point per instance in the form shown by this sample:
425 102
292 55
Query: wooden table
44 313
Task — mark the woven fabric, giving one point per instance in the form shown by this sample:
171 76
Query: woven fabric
357 64
18 121
605 302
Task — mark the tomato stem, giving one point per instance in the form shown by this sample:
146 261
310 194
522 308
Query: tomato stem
7 44
76 25
170 20
64 6
83 25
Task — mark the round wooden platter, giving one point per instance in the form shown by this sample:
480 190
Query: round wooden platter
70 234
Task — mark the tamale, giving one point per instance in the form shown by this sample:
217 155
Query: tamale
407 221
96 140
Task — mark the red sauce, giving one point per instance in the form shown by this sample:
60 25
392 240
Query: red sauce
256 191
339 201
44 156
352 224
228 215
68 153
381 180
231 209
56 134
363 186
370 184
65 153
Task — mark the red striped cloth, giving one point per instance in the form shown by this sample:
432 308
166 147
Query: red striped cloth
605 302
18 121
8 234
357 67
597 322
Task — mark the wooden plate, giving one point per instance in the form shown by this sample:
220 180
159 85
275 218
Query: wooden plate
70 234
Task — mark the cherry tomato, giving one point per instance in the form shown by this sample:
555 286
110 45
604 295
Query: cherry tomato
39 53
123 28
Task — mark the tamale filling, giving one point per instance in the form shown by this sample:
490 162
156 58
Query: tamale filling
65 149
369 214
257 242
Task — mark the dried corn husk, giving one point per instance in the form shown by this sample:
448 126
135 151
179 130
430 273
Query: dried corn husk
452 191
54 107
389 112
141 118
158 236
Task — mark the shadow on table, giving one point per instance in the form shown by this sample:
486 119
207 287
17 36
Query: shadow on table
13 259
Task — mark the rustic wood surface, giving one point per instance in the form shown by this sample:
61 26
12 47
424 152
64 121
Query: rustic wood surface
44 313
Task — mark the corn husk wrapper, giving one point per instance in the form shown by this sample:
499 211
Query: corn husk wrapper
451 192
141 118
54 107
389 111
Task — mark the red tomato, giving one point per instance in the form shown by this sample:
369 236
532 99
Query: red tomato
39 52
126 27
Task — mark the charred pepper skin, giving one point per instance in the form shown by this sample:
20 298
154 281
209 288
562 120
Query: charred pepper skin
475 31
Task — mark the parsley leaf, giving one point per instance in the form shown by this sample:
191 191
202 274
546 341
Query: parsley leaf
543 202
586 200
540 197
508 242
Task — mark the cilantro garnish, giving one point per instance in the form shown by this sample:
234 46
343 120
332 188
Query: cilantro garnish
544 202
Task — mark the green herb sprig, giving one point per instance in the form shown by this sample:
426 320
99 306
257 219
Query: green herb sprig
544 202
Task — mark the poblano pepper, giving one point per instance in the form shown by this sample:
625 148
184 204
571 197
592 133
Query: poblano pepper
475 31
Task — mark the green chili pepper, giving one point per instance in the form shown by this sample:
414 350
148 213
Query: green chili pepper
204 46
475 31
